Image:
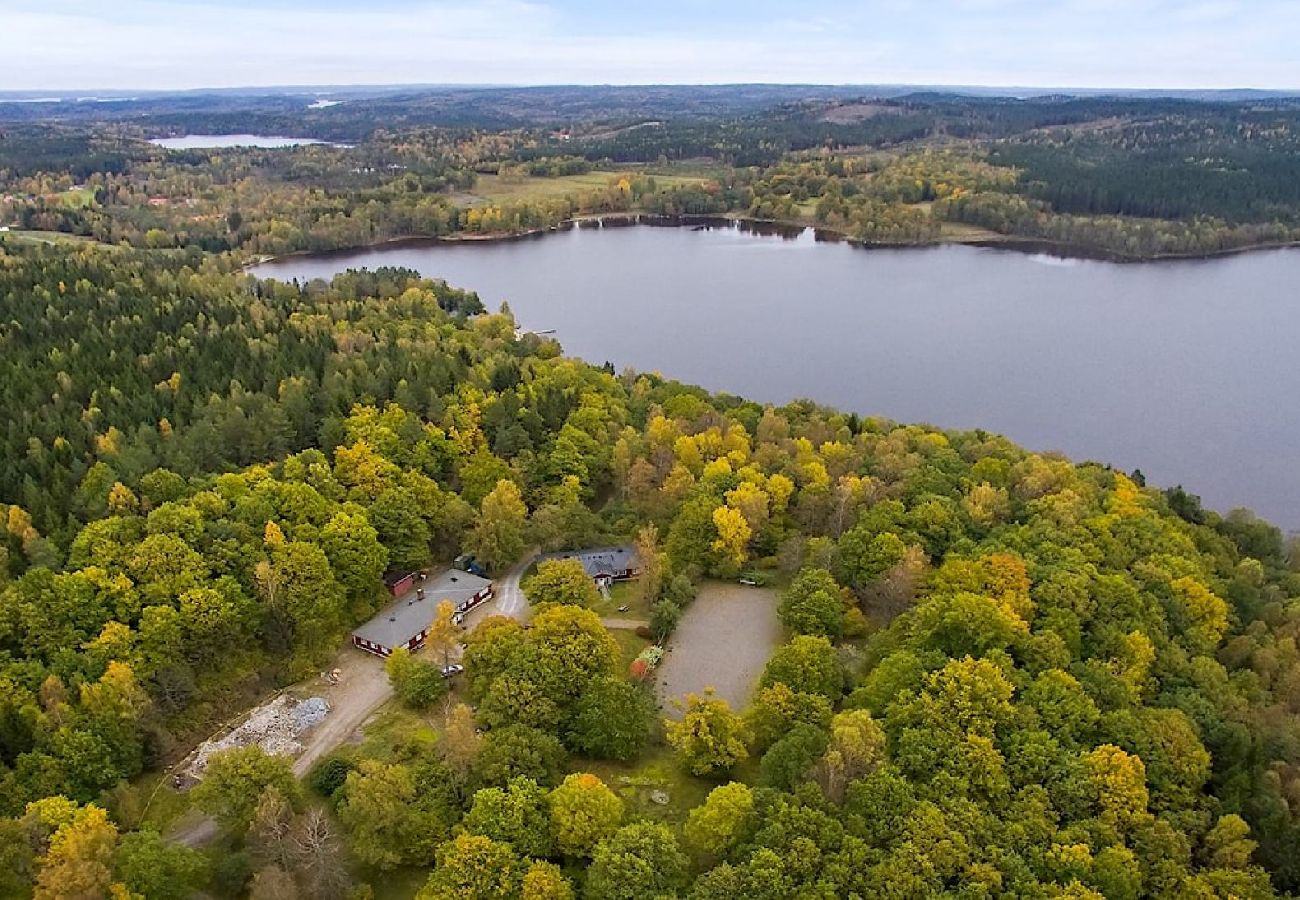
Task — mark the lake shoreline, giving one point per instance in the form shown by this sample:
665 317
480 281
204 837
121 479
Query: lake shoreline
776 228
1101 362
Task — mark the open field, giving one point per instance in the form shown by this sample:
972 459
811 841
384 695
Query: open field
43 237
723 641
79 198
493 190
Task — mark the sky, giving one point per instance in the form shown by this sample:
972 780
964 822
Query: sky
73 45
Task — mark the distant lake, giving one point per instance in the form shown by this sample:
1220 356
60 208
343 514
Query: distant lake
214 141
1186 370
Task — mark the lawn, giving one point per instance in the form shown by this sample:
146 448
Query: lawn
493 190
623 593
148 801
630 645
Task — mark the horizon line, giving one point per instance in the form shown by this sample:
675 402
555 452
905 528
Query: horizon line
322 87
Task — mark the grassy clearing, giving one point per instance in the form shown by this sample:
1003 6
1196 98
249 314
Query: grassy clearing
655 772
493 190
44 237
957 231
148 801
77 198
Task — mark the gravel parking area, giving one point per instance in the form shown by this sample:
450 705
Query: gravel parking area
723 641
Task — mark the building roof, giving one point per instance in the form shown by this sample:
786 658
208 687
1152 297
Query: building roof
407 616
602 561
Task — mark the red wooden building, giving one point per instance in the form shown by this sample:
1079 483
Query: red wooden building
405 622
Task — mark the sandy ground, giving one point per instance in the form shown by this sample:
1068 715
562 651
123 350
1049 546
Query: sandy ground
723 641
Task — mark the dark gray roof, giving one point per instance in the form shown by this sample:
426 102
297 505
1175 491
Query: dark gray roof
598 561
406 616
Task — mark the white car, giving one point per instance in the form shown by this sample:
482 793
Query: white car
452 670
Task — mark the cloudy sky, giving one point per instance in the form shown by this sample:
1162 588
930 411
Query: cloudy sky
143 44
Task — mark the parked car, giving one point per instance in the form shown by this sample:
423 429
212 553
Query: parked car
753 579
452 670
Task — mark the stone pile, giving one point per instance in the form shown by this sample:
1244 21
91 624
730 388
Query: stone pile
274 726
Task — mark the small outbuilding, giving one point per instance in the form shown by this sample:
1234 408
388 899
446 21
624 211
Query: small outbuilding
399 581
405 622
605 564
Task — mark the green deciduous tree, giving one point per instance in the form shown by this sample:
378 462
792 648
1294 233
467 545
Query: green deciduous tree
234 780
612 719
813 604
498 535
417 682
807 664
583 812
639 860
560 582
393 816
726 818
473 867
709 739
516 815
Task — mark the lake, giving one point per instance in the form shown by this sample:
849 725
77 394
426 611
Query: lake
216 141
1186 370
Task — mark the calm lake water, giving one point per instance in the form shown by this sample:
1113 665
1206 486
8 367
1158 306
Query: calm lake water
214 141
1186 370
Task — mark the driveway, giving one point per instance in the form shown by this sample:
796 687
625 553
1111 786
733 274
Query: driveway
510 599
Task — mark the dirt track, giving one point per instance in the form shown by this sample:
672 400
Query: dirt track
723 641
362 689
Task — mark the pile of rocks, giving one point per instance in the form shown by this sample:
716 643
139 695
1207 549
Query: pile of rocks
274 726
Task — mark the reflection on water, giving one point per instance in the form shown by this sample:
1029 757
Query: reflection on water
1185 370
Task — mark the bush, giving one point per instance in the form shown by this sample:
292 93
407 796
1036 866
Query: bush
328 775
664 616
790 759
417 683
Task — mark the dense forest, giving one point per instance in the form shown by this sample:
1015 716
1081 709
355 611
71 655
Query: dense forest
1121 177
1004 674
1000 674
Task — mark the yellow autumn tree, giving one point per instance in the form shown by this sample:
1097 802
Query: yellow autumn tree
1204 613
122 500
780 489
1119 781
733 534
751 501
79 862
987 505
